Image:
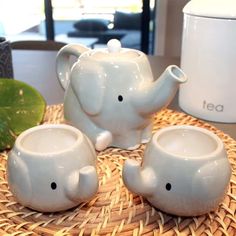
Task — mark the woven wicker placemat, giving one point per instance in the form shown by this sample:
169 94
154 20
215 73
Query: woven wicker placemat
114 210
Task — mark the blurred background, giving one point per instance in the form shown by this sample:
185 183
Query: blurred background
153 26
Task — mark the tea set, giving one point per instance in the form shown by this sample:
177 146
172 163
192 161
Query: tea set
110 97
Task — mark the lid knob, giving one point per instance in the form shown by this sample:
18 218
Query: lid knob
114 45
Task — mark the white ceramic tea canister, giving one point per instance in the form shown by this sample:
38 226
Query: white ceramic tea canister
209 59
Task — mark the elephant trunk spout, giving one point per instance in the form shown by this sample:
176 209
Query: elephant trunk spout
142 182
82 185
158 94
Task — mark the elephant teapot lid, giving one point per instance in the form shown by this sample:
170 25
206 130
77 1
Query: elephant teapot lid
114 51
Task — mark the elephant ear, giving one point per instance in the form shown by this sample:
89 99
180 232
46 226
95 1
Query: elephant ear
88 84
211 179
18 179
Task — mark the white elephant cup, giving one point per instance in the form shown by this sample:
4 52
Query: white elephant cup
185 171
111 93
52 168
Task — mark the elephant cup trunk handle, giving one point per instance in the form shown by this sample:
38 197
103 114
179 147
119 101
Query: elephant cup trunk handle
63 64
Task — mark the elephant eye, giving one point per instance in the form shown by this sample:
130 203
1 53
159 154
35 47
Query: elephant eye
53 185
168 186
120 98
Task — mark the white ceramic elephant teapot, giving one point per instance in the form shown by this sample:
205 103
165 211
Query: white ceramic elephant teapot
111 93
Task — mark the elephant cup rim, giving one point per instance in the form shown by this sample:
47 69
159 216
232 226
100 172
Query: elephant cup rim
211 154
23 150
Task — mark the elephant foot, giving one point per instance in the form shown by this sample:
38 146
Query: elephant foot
133 147
146 140
147 134
103 140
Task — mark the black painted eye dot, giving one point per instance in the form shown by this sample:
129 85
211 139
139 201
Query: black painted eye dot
53 185
120 98
168 186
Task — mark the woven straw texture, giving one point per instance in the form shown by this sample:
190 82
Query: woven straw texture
114 210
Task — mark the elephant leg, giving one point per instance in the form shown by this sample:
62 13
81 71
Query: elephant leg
77 117
130 140
147 134
103 140
80 120
100 138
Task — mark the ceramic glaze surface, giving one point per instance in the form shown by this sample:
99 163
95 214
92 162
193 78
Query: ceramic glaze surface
178 179
187 143
111 93
208 58
52 168
49 140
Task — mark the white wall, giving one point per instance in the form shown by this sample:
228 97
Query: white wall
168 32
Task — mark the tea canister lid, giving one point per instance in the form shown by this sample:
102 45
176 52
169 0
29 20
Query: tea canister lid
211 8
